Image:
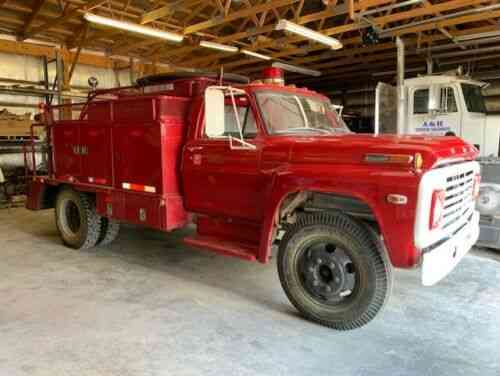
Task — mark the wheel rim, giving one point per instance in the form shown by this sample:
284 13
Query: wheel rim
70 218
327 273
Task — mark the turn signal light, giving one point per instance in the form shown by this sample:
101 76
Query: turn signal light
475 186
437 208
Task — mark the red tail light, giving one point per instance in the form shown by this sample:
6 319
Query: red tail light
437 208
475 186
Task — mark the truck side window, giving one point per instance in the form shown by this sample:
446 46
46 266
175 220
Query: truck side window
448 103
421 101
247 121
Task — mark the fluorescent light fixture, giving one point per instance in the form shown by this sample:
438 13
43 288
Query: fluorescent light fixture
296 69
218 46
308 33
255 54
478 35
132 27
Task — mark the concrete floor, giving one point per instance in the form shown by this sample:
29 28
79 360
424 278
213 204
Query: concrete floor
148 305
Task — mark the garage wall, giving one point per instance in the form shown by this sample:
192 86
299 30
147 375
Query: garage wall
30 68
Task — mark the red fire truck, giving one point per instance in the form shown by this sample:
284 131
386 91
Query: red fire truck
255 165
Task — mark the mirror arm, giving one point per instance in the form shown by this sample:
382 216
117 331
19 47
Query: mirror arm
236 112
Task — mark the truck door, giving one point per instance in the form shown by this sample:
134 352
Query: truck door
220 179
433 110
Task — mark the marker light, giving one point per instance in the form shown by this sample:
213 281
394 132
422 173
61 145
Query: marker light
389 158
418 161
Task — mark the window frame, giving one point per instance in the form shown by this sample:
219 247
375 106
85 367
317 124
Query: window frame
448 87
250 107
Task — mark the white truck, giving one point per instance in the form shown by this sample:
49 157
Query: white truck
449 105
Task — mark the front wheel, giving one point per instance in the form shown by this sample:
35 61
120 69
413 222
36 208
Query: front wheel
332 270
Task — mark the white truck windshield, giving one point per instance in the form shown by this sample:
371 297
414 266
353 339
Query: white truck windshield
291 113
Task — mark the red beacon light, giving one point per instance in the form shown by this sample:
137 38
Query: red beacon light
272 75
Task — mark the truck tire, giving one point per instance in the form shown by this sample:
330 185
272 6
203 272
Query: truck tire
76 218
109 231
332 270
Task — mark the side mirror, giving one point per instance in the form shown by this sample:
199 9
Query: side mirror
214 112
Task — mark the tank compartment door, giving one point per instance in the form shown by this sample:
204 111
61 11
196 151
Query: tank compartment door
67 150
96 162
386 109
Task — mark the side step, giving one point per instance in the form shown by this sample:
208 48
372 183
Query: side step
224 247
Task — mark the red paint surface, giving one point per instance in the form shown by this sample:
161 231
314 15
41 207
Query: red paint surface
157 140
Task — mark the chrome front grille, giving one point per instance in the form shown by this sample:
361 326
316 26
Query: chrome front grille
458 198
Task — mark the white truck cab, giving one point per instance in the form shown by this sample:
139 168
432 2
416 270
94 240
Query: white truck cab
449 105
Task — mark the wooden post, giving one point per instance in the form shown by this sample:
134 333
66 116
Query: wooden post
63 82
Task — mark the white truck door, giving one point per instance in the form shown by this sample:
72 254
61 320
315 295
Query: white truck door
418 110
433 119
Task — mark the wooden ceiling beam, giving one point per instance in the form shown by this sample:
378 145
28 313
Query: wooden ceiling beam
410 42
36 8
65 17
166 10
330 12
456 4
247 12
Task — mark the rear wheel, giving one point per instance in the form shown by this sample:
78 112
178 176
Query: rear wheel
76 218
332 270
109 231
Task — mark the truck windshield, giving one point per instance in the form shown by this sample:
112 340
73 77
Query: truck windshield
473 98
291 113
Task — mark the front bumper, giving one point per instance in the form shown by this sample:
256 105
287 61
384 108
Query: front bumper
440 261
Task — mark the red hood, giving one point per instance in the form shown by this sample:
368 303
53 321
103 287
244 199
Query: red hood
351 148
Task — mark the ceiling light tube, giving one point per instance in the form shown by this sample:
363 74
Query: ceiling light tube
218 46
132 27
296 69
255 54
308 33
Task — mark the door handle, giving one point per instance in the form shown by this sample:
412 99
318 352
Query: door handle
195 148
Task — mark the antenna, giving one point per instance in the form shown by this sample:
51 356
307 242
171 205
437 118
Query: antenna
221 75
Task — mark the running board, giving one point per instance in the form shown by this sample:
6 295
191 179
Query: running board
224 247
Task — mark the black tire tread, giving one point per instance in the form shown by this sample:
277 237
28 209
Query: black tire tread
91 218
357 233
109 231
